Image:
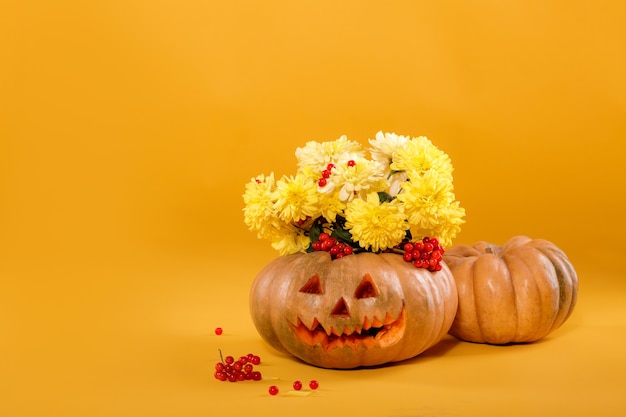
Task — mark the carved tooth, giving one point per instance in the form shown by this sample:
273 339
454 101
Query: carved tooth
314 324
357 330
366 323
389 319
335 332
340 342
333 344
352 342
376 322
297 323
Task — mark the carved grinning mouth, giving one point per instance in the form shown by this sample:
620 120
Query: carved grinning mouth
369 334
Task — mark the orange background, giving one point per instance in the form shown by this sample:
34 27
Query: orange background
129 128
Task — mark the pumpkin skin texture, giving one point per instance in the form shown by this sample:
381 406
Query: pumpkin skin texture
361 310
515 293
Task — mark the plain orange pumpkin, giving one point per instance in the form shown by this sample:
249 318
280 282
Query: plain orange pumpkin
518 292
361 310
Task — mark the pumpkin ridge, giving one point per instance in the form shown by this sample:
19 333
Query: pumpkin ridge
260 312
479 321
505 258
556 312
435 325
447 314
571 274
394 262
572 287
560 276
567 284
521 278
480 329
495 293
466 308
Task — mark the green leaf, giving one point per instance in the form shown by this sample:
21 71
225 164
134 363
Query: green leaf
384 197
314 232
343 235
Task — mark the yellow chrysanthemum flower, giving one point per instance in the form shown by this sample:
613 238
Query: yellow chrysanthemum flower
343 148
357 178
314 157
419 156
425 198
385 146
449 226
287 239
375 225
296 198
258 210
330 206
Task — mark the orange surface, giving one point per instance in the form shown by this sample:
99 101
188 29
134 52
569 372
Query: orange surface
129 128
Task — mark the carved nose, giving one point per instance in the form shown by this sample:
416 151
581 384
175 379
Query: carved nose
340 309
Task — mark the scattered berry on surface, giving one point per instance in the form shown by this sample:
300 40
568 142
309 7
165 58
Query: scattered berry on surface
242 369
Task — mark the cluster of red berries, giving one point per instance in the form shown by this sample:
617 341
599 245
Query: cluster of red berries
426 253
297 385
238 370
330 244
326 173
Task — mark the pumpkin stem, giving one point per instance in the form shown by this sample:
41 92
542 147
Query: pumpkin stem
489 249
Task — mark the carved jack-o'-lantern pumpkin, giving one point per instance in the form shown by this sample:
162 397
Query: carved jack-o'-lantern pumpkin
361 310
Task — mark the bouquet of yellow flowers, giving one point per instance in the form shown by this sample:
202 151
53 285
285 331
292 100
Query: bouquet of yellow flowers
404 191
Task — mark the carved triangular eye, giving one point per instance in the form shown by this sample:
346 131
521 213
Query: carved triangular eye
366 288
312 286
